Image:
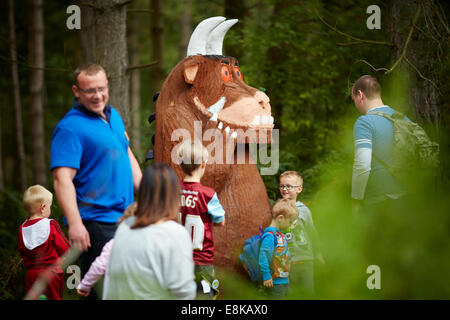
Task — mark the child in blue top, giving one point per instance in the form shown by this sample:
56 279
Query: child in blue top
274 261
302 237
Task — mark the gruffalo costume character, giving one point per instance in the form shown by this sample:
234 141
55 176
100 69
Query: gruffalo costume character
205 97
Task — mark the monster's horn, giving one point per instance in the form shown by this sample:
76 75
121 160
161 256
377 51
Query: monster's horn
197 43
215 39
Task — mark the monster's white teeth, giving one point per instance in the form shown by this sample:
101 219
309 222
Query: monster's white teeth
234 135
260 119
220 126
227 129
214 117
256 120
217 107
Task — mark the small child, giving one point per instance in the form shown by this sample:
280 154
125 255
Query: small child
42 243
302 237
274 261
98 267
200 209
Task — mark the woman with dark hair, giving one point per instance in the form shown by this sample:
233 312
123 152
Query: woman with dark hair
152 254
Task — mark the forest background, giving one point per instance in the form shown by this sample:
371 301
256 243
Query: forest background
304 54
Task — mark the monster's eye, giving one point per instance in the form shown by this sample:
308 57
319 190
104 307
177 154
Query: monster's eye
226 74
238 72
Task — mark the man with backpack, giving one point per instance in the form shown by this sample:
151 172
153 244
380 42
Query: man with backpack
373 138
389 148
394 164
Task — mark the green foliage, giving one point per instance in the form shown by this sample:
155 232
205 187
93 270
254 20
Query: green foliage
307 71
408 240
12 272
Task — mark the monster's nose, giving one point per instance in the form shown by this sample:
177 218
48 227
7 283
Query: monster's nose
262 99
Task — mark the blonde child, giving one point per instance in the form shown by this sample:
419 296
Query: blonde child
200 209
274 260
42 243
302 237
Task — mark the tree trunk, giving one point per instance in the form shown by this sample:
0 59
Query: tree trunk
135 87
235 9
103 41
275 55
36 62
2 177
17 102
156 29
422 52
186 27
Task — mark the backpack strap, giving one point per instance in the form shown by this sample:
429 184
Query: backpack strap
384 164
274 236
391 118
395 115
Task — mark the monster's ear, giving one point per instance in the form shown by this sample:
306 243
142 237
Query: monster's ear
190 71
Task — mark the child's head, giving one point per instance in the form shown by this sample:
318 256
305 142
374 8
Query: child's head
37 201
158 197
284 212
291 184
193 155
129 211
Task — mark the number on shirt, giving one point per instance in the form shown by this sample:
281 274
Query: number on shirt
196 229
188 201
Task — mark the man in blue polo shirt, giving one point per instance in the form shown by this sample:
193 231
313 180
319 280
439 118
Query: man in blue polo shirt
95 173
372 183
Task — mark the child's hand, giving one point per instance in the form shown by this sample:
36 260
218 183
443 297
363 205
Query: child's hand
220 224
83 293
356 207
268 283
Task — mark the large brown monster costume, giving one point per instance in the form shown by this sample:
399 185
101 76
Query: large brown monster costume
205 91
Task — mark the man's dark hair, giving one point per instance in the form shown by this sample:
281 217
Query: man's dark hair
88 68
368 85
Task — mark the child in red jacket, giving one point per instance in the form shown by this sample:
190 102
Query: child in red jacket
42 243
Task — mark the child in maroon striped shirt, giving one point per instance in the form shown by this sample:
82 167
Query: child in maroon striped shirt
200 209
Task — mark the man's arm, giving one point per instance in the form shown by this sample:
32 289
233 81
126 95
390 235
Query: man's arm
361 171
136 170
66 194
360 176
362 135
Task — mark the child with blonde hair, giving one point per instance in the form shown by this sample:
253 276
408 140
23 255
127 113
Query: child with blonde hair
42 243
302 237
274 260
